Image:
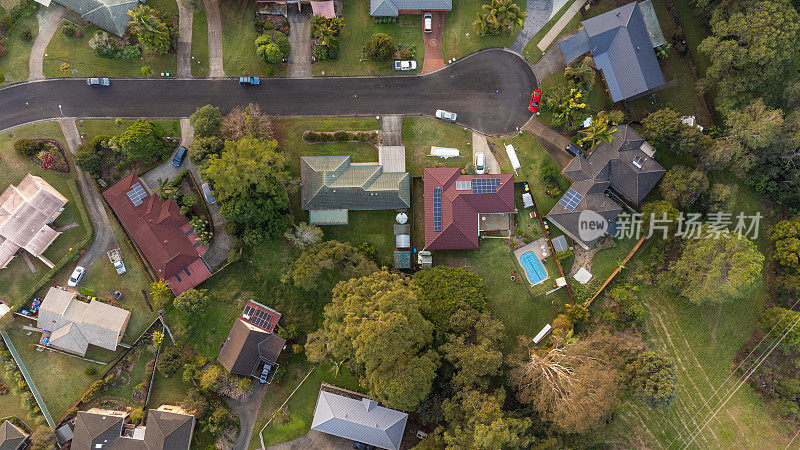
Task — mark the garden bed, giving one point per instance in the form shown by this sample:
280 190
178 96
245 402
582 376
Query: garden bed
314 137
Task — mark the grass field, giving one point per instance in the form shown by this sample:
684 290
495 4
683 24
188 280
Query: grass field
460 40
200 63
359 26
14 65
16 279
420 133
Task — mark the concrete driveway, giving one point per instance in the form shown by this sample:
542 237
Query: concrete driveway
480 144
165 171
433 43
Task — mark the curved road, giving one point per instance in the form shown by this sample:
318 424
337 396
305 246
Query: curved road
489 91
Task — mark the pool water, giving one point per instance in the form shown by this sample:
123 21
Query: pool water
533 267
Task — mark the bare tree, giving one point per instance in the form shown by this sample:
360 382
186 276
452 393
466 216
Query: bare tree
246 121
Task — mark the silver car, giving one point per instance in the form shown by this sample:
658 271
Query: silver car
98 82
405 65
446 115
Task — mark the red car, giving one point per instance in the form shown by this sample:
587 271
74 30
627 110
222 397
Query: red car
535 97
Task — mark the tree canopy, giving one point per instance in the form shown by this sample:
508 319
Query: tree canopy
785 238
380 47
652 379
192 301
206 121
374 323
684 187
251 184
715 270
151 30
142 142
776 321
473 347
443 290
477 421
318 263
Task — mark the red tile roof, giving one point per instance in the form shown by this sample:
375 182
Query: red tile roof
163 235
460 209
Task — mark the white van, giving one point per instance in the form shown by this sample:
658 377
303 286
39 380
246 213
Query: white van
480 163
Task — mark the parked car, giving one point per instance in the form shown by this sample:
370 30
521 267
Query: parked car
76 277
363 446
98 82
249 81
445 115
405 65
575 150
427 22
480 163
536 97
208 194
179 155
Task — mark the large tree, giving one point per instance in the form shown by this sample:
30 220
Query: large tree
142 142
322 261
251 184
473 347
775 322
246 121
651 378
374 324
151 30
664 129
753 52
192 301
443 290
715 269
476 420
206 121
684 187
785 238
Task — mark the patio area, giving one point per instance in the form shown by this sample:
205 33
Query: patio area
534 268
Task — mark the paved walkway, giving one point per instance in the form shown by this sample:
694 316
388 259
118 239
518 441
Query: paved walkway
480 144
247 410
539 13
551 140
300 40
562 22
49 20
28 379
104 239
316 440
214 39
433 43
186 16
391 129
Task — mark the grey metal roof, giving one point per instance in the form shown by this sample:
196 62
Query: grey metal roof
575 46
110 15
390 8
359 420
333 182
168 430
620 43
11 437
93 428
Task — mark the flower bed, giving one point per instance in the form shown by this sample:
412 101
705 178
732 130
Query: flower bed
371 137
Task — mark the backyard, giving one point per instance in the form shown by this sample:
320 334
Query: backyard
14 65
358 28
459 38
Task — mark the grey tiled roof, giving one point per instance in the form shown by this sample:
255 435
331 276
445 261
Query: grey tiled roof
390 8
110 15
333 182
11 437
359 420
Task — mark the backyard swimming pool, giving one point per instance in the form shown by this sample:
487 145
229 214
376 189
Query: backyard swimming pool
534 269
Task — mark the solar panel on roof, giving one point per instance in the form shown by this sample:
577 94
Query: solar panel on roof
485 185
571 199
257 317
137 194
463 185
437 209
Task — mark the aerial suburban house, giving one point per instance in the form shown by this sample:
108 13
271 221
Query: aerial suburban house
252 348
393 8
110 15
624 169
355 416
161 233
71 325
458 207
11 437
26 210
167 428
621 42
332 185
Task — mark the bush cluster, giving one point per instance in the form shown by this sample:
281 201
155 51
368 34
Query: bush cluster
28 147
341 136
273 48
381 20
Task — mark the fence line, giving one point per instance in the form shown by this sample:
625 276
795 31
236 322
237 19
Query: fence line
28 379
260 433
552 249
615 272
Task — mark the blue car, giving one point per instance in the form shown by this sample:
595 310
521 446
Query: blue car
179 155
249 81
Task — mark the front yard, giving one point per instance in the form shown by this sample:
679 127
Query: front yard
14 65
238 41
421 133
459 38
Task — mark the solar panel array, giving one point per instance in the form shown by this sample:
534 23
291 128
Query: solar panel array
463 185
571 199
485 185
437 209
137 194
258 317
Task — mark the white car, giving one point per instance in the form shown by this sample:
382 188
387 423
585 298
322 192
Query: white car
445 115
76 277
427 22
405 65
480 163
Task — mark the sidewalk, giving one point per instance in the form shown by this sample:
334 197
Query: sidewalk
28 379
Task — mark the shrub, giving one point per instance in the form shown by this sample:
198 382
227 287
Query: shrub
87 292
137 415
131 52
90 371
26 35
202 148
283 43
269 71
380 47
68 30
146 71
89 159
170 361
3 49
333 49
2 77
27 147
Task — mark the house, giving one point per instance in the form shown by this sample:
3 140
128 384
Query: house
456 206
71 325
354 416
11 437
393 8
167 428
332 185
621 42
110 15
26 210
161 233
252 348
624 168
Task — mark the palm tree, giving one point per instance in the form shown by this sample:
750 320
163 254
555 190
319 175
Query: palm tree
599 131
582 72
502 15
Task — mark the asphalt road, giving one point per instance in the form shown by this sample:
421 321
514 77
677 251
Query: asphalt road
489 91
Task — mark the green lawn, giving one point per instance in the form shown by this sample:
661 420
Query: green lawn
91 128
359 26
200 63
421 133
460 40
14 65
16 279
301 405
238 40
695 31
